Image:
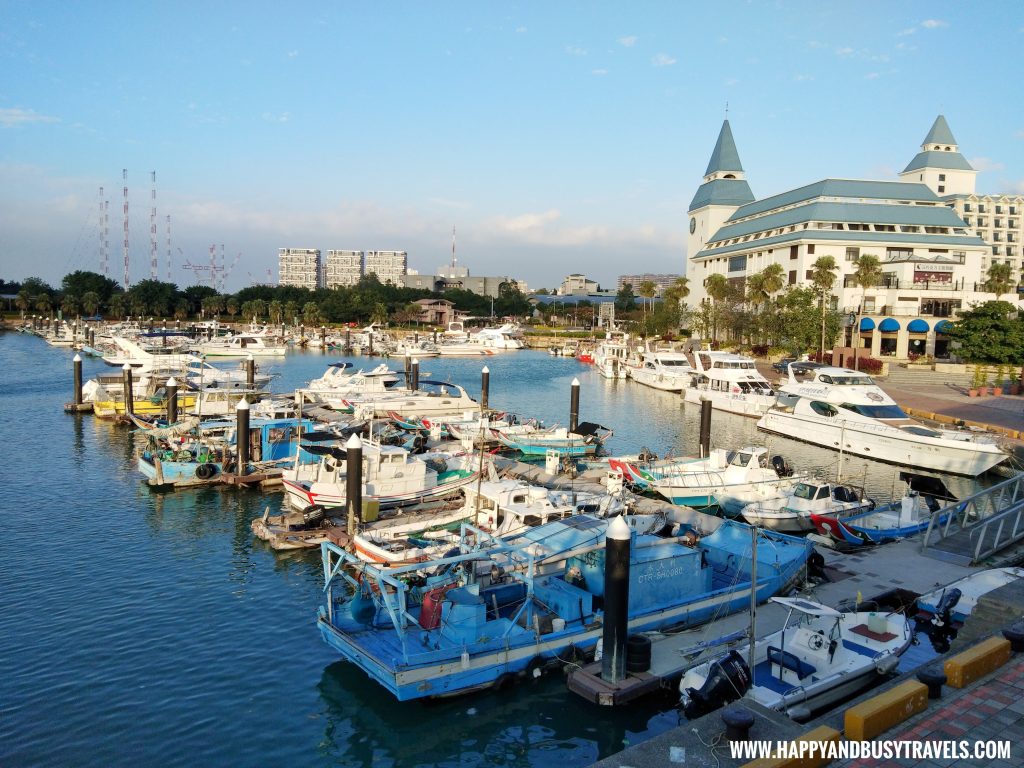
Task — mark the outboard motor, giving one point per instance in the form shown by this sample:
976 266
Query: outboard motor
781 466
944 610
647 455
727 680
313 515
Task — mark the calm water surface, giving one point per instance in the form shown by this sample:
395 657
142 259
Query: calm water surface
152 629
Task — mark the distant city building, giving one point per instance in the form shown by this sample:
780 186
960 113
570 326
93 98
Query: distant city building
661 281
388 266
342 268
577 284
933 262
299 267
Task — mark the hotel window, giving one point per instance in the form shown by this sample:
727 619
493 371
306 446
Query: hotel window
942 188
997 223
981 207
792 251
869 304
810 249
967 207
792 277
999 209
1012 223
942 177
852 254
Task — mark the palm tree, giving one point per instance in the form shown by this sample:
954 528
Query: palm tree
717 287
867 275
232 306
311 313
181 309
647 290
291 312
276 311
258 308
43 303
213 305
23 301
379 313
90 303
116 305
998 279
823 277
69 305
774 279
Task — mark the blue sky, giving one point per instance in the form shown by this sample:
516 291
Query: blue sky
556 137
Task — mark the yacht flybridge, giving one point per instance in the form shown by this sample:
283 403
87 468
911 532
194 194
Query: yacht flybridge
846 411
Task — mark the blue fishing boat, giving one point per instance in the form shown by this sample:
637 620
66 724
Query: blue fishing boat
189 457
504 609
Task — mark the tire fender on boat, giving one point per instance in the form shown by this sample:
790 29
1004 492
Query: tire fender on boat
535 669
205 471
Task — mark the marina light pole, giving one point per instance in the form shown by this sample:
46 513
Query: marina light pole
616 601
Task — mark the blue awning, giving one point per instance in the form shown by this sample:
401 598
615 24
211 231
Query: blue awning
918 326
943 326
889 325
867 324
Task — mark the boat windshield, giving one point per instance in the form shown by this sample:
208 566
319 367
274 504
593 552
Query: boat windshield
849 381
804 491
922 431
877 411
669 363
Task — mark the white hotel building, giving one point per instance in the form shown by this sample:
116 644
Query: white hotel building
299 267
933 261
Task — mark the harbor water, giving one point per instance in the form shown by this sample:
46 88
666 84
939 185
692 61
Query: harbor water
151 628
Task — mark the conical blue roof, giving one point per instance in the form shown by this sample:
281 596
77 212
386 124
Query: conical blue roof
940 133
725 157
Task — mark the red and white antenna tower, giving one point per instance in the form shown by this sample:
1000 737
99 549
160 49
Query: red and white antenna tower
168 247
124 176
213 266
222 268
154 266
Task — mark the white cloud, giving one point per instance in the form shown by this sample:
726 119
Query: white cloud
628 41
1019 134
575 50
816 44
731 82
272 118
872 75
292 54
844 51
1017 187
548 229
663 60
723 40
520 30
986 164
934 23
445 203
907 32
18 116
801 78
599 72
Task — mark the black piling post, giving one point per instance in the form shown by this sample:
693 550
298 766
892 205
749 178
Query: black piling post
354 482
369 336
163 334
77 361
485 386
172 400
616 601
705 427
126 379
250 373
435 335
348 341
408 371
415 337
574 405
323 337
242 437
415 374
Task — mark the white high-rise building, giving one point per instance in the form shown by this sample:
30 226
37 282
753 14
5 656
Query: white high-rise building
388 266
343 268
299 267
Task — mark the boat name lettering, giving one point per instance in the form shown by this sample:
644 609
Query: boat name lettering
660 574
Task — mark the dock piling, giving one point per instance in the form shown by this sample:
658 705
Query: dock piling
705 427
250 372
415 374
78 380
126 383
485 387
172 400
354 482
574 405
323 337
616 601
242 436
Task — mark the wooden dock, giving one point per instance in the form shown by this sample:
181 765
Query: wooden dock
265 479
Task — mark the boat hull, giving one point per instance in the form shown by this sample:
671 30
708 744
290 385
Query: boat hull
731 402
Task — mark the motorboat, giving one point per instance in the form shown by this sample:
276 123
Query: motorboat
242 345
727 479
846 410
819 658
586 440
953 603
340 384
499 339
146 359
731 382
665 369
432 399
200 374
791 511
392 476
493 613
612 355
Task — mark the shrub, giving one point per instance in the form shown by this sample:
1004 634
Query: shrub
759 350
867 365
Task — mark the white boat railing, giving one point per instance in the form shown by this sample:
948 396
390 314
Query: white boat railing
992 519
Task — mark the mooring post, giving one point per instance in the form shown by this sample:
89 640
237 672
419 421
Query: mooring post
250 372
348 341
242 437
77 363
126 383
415 374
323 337
369 336
407 360
574 405
435 335
616 601
172 400
705 427
485 386
354 482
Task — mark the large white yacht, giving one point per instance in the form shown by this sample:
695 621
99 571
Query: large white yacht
611 356
666 369
731 382
845 410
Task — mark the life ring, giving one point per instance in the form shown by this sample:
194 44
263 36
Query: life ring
206 471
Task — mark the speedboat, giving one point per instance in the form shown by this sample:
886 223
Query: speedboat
202 375
846 410
953 603
339 384
665 369
731 382
791 511
586 440
820 658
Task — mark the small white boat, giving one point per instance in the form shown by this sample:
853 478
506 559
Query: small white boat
202 375
611 356
444 399
845 410
791 511
812 663
339 384
731 382
499 339
954 602
664 369
242 345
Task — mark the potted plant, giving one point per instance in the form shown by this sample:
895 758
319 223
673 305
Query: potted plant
997 385
977 381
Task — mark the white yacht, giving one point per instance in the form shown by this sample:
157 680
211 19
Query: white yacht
731 382
611 356
242 345
499 339
845 410
199 374
666 369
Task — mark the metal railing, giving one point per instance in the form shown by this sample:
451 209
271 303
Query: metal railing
992 519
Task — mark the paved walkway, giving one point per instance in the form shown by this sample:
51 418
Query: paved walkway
989 709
